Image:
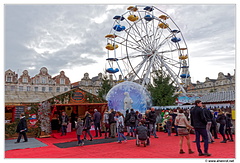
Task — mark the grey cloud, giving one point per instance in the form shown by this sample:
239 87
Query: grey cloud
53 27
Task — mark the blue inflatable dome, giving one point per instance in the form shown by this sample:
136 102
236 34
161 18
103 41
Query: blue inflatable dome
140 97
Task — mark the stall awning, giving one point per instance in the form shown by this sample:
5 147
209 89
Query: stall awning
80 104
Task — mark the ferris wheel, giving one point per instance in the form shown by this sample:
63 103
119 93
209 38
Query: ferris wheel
144 40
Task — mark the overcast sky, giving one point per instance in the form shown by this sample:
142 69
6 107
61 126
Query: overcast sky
71 37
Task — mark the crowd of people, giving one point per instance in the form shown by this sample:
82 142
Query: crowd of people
113 124
204 122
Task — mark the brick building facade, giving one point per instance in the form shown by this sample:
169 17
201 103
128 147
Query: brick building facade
223 83
42 82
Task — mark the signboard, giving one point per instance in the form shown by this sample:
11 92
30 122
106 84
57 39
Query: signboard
187 99
78 96
233 114
18 111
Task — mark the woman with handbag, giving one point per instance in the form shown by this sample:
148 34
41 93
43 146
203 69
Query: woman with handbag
120 126
64 122
87 125
182 124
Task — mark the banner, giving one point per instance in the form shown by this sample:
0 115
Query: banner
187 99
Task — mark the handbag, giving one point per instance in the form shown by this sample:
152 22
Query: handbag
64 124
183 131
120 128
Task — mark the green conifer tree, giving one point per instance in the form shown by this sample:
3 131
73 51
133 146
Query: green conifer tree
106 86
162 90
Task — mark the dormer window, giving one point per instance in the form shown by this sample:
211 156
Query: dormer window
25 80
9 79
62 81
44 81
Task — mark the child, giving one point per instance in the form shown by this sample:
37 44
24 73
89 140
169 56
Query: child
120 124
79 129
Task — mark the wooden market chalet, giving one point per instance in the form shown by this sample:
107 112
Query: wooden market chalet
74 99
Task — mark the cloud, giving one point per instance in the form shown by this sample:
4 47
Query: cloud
54 35
67 36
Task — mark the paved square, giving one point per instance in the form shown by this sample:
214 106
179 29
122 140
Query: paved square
32 143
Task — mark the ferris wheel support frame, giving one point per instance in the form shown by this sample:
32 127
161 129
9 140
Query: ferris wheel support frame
174 76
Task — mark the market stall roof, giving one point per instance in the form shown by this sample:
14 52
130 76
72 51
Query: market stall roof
76 96
219 96
12 97
72 104
23 97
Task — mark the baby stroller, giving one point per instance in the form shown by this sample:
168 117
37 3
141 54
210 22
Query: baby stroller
141 136
141 141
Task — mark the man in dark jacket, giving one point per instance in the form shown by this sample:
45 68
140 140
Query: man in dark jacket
112 123
127 123
22 128
152 116
199 122
97 119
213 128
174 114
209 117
221 118
132 119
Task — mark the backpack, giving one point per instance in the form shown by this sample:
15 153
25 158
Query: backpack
132 118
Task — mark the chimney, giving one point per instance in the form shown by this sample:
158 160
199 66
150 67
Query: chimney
111 77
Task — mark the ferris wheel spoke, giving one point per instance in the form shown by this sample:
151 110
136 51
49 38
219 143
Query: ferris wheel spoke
172 62
172 74
133 56
144 27
137 69
135 31
131 44
161 42
146 75
139 40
